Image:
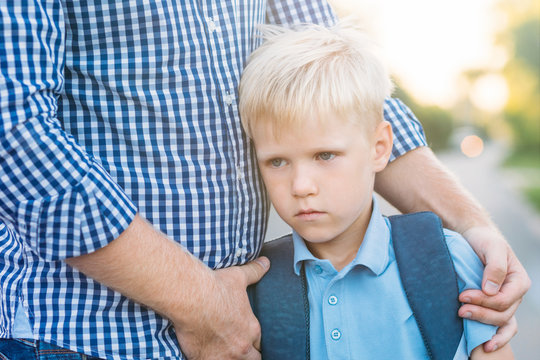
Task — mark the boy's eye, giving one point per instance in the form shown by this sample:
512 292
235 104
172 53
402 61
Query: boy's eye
326 156
277 162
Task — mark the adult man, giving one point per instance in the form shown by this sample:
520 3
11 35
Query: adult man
115 112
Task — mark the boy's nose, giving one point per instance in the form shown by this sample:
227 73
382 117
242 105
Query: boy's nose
303 185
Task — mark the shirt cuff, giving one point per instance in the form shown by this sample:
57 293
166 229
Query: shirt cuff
78 220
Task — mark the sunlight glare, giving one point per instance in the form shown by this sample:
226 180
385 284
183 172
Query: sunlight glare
490 93
428 44
472 146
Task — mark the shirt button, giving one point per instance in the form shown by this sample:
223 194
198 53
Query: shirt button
239 172
336 334
239 252
211 25
318 269
228 99
333 300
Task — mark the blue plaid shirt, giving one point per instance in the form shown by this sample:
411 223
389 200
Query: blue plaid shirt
112 107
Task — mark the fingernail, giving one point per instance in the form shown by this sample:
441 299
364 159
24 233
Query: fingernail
264 262
492 287
467 315
495 347
466 299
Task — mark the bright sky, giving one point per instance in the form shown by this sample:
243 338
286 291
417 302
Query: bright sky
429 43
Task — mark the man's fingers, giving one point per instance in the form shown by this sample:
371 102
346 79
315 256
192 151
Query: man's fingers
500 302
504 334
517 282
254 355
515 286
257 330
257 345
255 269
496 269
493 250
476 297
487 316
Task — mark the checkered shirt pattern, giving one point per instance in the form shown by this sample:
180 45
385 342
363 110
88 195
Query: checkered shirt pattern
112 107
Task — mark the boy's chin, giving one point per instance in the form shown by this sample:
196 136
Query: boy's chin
315 238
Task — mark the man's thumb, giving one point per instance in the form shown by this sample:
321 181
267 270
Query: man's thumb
255 269
495 271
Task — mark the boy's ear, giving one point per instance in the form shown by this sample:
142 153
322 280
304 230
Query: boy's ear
382 145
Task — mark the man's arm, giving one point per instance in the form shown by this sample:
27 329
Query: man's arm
50 187
63 203
417 181
209 309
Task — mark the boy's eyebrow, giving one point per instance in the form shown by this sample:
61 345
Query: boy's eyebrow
267 156
335 148
339 147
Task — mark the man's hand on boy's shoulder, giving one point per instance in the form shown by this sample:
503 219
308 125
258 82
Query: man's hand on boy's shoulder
504 284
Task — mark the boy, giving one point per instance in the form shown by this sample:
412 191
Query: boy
312 99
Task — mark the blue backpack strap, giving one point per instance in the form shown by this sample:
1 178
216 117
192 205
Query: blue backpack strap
430 281
279 301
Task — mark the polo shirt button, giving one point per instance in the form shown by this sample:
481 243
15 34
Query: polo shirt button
318 269
333 300
336 334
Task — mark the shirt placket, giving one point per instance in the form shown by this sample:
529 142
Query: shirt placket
334 318
224 54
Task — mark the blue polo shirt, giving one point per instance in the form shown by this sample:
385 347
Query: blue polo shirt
361 312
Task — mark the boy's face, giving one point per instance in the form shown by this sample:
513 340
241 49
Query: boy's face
320 176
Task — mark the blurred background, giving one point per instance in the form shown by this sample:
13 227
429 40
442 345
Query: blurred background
470 71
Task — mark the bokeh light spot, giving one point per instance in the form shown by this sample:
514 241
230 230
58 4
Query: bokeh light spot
490 93
472 146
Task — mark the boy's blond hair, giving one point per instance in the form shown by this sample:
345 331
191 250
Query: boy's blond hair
313 72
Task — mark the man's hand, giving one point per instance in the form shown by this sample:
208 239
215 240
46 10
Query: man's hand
503 286
209 309
223 325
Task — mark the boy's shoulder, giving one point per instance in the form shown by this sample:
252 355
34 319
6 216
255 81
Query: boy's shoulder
462 253
452 237
280 251
279 301
427 226
277 244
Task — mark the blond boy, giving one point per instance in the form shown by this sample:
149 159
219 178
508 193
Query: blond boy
311 99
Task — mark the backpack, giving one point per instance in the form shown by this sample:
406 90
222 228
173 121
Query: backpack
426 270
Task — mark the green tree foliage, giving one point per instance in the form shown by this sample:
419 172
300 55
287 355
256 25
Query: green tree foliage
527 44
522 73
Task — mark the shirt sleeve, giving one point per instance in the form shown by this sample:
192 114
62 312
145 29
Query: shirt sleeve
469 270
57 197
408 132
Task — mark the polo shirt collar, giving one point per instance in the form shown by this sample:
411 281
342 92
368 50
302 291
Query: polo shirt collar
373 253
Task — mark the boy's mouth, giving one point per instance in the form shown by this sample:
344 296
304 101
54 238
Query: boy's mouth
308 214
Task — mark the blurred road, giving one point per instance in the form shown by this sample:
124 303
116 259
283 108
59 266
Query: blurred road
497 190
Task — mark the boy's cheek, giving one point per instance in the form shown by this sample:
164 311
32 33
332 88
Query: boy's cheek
267 180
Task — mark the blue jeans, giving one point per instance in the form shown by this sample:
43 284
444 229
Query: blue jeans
22 349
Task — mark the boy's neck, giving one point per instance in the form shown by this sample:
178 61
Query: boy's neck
341 250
